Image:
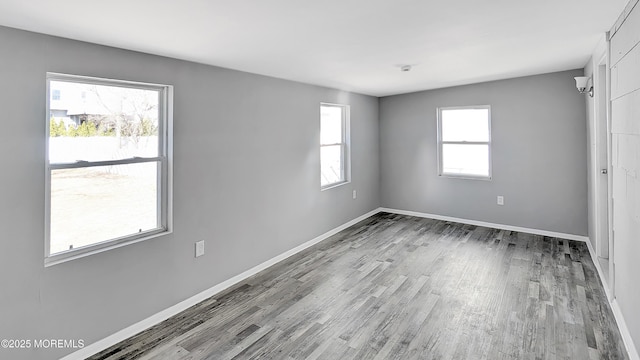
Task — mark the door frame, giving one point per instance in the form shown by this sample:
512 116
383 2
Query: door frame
611 276
602 156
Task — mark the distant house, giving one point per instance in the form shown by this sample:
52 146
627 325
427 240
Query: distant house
74 103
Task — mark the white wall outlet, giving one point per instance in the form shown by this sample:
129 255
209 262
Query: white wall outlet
355 194
500 200
199 248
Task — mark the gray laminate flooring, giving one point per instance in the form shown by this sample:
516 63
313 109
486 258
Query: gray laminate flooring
401 287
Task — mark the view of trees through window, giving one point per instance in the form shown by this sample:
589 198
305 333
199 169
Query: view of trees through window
105 159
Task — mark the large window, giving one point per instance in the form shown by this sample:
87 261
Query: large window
464 141
334 145
108 164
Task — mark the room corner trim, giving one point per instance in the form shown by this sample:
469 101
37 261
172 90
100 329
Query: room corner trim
488 224
134 329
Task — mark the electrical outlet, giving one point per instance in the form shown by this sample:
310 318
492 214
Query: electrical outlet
199 248
500 200
355 195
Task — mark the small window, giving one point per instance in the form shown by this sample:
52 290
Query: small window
464 142
334 145
108 164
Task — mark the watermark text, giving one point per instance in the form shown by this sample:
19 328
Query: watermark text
42 343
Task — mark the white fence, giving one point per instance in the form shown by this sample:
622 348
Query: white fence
100 148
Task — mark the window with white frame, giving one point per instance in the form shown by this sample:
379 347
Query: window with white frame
334 145
108 164
464 141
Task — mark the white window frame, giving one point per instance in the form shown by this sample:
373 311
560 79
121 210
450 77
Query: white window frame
441 143
164 159
345 168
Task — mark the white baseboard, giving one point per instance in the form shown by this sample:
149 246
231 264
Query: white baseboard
617 313
134 329
596 262
624 331
490 225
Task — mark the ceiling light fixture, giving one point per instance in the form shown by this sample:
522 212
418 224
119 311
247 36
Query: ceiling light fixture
584 85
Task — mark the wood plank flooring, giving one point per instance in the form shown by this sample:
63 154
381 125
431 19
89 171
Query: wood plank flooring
401 287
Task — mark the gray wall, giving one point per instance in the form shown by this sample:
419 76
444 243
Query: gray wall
538 155
246 180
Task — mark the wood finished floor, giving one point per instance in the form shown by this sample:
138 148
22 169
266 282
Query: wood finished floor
401 287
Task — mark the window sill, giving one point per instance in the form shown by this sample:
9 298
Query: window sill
79 253
465 177
334 185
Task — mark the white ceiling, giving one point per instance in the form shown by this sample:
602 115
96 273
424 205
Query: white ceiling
354 45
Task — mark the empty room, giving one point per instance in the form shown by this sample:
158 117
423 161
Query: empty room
320 179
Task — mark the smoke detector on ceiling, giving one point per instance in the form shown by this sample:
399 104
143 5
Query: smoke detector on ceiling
405 68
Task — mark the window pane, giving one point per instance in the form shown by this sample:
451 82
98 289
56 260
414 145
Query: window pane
330 125
98 122
90 205
331 164
465 159
465 125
